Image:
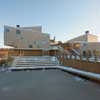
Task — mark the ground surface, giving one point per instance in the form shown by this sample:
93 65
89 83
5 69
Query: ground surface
46 85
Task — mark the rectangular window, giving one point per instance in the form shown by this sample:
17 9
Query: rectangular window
30 46
18 32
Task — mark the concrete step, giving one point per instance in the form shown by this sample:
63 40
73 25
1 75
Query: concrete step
35 65
34 61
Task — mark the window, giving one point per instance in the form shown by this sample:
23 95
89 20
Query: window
7 30
89 53
84 53
18 32
30 46
35 42
22 38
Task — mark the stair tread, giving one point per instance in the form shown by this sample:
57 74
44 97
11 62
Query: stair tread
32 61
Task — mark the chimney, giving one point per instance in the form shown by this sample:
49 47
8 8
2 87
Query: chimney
17 26
87 32
54 38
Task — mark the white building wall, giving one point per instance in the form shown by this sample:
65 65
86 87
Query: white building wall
25 37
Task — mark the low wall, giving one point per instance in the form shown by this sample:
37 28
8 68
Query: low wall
18 52
82 65
26 52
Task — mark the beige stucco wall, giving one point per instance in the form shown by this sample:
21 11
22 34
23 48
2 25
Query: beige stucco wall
91 46
92 38
79 38
88 42
28 36
85 38
94 46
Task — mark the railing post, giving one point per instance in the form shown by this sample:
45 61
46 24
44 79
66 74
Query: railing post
87 58
75 57
70 57
80 57
95 55
95 58
66 56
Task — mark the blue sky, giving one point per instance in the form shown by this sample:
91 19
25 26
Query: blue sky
64 19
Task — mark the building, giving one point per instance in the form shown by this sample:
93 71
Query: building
84 43
25 37
87 37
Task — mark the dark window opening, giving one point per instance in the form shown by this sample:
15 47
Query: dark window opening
18 32
7 30
84 53
89 53
30 46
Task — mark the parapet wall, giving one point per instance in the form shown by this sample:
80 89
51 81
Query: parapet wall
82 65
26 52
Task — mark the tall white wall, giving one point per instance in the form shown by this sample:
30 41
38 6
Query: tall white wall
25 37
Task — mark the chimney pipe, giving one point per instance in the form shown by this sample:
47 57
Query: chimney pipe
17 25
87 32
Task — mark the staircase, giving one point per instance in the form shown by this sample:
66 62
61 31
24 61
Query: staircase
76 52
72 52
33 61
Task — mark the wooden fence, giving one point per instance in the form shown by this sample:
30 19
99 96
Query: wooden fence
26 52
79 62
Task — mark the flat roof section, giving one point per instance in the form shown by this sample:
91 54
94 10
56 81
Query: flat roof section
46 85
